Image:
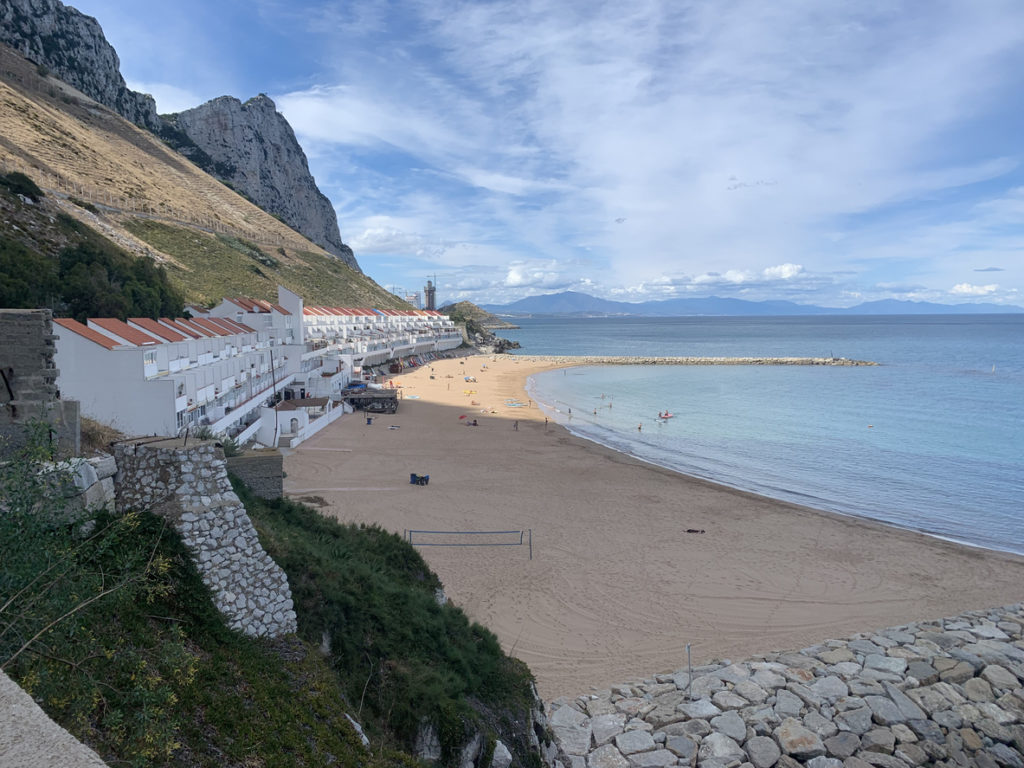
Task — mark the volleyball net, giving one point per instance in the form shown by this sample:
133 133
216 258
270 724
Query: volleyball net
522 538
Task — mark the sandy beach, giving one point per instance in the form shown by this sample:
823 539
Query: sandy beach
617 587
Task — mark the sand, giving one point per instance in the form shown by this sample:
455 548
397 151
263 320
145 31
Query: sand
616 588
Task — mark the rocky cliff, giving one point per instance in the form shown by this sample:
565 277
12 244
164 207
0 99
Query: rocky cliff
249 146
71 45
254 150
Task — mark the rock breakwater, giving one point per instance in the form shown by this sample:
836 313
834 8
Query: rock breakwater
947 693
626 360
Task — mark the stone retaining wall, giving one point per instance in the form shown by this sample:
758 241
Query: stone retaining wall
262 472
28 388
948 693
188 485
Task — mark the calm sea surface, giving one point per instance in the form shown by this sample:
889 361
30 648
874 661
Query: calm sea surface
932 439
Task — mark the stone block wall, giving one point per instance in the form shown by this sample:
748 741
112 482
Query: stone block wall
262 472
28 380
188 485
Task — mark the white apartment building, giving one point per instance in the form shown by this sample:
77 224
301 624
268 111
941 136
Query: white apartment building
158 377
223 367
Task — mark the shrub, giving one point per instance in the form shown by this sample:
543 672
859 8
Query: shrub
18 183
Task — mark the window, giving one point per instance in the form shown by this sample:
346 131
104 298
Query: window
149 357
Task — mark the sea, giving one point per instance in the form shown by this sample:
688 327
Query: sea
932 439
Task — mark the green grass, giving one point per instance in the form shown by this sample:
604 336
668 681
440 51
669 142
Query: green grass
215 267
403 659
148 674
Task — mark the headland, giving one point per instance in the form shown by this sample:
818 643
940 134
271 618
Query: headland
631 562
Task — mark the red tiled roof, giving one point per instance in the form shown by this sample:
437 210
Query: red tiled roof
154 328
186 332
239 327
123 330
198 330
86 332
281 310
224 323
208 325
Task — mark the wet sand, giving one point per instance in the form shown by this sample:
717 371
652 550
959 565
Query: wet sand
617 587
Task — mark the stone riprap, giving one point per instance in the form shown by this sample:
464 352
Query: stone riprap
188 485
627 360
948 693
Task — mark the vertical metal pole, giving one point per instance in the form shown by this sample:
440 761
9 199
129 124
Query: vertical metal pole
531 543
689 674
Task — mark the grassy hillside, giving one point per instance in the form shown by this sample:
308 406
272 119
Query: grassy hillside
143 668
132 188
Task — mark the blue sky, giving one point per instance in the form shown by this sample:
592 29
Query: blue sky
821 151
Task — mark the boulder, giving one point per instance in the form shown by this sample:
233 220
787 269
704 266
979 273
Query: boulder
796 740
855 720
502 758
762 751
631 742
606 756
682 747
1000 677
883 710
702 709
659 758
718 745
572 730
878 740
606 727
842 745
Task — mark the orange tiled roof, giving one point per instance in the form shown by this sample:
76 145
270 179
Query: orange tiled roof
86 332
123 330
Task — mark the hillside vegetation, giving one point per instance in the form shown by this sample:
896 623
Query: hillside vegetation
107 624
129 186
49 259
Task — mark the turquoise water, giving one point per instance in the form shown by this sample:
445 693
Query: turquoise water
932 439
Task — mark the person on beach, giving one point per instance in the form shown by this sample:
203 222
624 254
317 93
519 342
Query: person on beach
515 425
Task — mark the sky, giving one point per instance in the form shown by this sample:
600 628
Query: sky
820 151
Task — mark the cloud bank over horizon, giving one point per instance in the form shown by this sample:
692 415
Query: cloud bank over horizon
820 152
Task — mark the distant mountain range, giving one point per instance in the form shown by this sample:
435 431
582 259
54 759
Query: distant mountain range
582 305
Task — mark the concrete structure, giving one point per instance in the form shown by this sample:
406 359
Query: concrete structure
28 375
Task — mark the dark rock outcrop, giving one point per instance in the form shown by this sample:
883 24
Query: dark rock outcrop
71 45
254 150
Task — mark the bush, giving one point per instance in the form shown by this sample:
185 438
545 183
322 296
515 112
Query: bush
63 579
85 205
403 658
18 183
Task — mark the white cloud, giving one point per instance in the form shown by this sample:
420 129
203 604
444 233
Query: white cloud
966 289
660 148
169 98
783 272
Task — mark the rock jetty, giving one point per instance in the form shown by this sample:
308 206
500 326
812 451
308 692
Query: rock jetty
947 693
625 360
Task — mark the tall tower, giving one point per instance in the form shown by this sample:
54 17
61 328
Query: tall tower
429 292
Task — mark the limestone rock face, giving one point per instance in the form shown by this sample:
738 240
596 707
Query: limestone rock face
72 46
254 149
